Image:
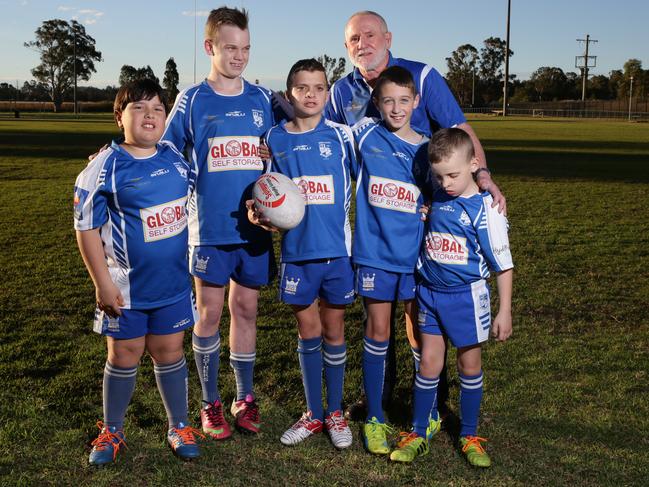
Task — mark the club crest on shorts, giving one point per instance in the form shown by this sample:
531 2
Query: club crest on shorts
368 281
483 302
258 118
201 264
291 285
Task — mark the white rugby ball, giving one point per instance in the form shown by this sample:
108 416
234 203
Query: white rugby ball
279 199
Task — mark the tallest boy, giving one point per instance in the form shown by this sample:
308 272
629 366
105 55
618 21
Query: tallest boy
368 41
219 122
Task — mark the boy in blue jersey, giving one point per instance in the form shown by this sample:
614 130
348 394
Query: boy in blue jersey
465 236
391 189
219 122
131 223
316 277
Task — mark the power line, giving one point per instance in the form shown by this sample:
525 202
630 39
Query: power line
584 69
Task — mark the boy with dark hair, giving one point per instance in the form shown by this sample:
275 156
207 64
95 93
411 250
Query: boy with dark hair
316 278
131 223
465 236
391 189
219 122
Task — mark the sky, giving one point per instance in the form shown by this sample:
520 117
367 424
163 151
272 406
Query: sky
146 32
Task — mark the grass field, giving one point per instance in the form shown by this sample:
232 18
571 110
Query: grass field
566 399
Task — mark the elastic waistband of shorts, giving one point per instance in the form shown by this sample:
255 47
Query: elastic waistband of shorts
453 289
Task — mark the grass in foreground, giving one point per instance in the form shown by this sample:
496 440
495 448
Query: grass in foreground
565 399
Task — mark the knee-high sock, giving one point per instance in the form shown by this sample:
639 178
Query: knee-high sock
207 352
310 355
374 354
424 392
334 358
172 384
118 388
243 365
470 399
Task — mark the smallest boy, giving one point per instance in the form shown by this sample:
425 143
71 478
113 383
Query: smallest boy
131 222
464 236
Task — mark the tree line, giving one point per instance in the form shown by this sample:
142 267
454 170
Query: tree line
475 76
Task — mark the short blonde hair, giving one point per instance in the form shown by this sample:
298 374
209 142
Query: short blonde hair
445 142
225 16
384 24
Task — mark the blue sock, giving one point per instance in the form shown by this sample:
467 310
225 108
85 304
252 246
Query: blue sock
310 355
172 384
243 365
470 398
207 352
424 393
334 358
416 357
374 354
119 385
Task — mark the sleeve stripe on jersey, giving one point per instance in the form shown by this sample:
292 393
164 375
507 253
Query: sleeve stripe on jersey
263 92
422 77
90 179
344 132
332 98
497 231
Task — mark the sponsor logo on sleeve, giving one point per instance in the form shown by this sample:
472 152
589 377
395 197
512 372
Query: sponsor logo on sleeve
164 221
80 196
446 248
316 190
234 153
392 194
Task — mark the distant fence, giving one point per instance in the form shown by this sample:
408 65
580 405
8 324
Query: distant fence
574 109
48 106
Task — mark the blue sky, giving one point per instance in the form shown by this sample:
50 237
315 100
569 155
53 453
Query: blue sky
141 32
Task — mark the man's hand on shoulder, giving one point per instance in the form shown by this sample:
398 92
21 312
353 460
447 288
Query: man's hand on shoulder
485 183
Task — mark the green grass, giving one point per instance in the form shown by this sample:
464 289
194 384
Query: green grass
565 399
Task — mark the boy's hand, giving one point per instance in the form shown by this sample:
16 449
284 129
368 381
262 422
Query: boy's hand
110 300
485 183
103 148
256 217
424 209
264 152
501 329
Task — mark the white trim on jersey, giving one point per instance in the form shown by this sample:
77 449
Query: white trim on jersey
126 286
263 92
497 231
422 76
332 98
180 105
346 131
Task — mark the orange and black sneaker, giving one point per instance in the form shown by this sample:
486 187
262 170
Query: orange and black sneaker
474 451
409 447
106 445
246 415
213 421
182 441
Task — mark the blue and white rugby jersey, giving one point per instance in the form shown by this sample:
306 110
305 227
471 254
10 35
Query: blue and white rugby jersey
221 133
391 187
465 237
321 162
139 207
350 99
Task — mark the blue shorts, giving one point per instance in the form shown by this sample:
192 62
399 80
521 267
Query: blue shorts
135 323
301 283
250 265
462 313
384 285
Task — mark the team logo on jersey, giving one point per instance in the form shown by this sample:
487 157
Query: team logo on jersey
446 248
503 249
234 153
159 172
181 169
164 221
291 285
201 264
401 155
316 190
464 219
353 106
367 281
303 147
325 149
258 118
392 194
235 113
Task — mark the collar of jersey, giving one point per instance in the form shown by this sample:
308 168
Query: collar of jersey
244 88
114 145
320 125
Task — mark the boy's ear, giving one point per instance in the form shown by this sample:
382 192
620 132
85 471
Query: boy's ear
474 164
208 45
417 98
118 119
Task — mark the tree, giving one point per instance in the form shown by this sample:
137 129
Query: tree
55 41
334 67
633 67
461 72
492 58
128 74
549 83
171 79
35 91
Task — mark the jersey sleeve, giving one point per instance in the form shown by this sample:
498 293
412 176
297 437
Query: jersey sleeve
178 128
422 172
492 236
282 109
332 108
438 99
351 150
91 195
